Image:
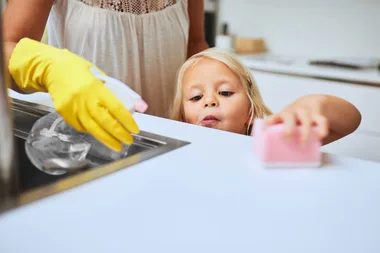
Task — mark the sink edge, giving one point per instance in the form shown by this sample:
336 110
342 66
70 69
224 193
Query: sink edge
167 144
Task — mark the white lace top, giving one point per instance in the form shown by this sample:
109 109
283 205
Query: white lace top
131 6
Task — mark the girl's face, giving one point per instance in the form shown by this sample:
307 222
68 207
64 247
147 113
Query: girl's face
214 97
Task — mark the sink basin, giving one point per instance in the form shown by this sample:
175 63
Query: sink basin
34 184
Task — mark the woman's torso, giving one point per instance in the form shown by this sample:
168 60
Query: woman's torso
142 43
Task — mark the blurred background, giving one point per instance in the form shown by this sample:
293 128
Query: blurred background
325 28
295 47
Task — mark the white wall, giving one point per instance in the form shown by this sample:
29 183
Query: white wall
348 28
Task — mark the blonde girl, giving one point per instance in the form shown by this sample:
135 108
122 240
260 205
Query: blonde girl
214 89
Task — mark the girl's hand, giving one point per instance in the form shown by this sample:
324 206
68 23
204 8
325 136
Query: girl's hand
307 114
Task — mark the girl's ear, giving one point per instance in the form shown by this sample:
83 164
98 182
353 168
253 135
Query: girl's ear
250 118
249 121
249 124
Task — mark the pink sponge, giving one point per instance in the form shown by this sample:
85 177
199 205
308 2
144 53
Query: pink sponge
273 149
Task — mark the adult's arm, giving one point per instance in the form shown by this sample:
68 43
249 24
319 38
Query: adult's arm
23 19
197 40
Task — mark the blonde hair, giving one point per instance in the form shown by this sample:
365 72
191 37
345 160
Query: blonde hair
258 108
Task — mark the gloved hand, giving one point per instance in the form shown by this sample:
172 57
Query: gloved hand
78 96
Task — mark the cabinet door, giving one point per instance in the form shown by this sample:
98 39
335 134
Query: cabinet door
357 144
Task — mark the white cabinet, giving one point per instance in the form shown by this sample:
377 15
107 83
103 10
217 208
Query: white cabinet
357 144
280 90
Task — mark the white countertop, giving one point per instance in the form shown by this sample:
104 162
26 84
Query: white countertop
209 196
299 66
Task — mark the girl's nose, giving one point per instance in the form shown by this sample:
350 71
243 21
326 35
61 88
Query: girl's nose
211 102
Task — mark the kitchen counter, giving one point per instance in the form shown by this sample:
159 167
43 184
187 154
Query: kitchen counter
299 66
209 196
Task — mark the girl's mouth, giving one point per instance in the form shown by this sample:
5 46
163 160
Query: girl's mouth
209 121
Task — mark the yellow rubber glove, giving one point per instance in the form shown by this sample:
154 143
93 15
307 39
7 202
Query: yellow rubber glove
78 96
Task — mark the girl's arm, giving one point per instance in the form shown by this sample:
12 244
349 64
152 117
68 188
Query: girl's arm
23 19
197 41
335 116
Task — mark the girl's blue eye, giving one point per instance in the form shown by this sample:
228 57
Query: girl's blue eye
226 93
196 98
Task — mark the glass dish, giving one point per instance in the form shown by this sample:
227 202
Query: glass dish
52 137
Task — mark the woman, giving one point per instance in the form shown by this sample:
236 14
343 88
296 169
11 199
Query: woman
140 42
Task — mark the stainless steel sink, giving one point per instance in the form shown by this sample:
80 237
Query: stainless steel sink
35 184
